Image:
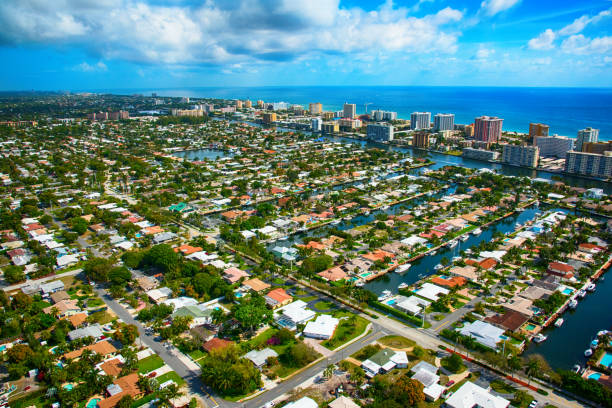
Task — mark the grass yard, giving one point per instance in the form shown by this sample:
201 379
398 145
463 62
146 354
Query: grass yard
502 387
324 305
170 376
196 354
397 342
146 365
309 298
346 331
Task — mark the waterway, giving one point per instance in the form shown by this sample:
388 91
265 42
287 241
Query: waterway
565 346
203 154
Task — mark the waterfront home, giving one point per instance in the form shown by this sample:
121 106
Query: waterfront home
277 297
535 292
384 361
470 395
455 281
509 320
295 313
520 304
322 328
333 274
260 357
560 269
484 333
412 305
468 272
431 291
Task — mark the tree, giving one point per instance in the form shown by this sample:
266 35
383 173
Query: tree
166 395
125 402
97 269
329 371
162 256
251 315
407 391
14 274
119 275
532 367
453 363
229 374
299 355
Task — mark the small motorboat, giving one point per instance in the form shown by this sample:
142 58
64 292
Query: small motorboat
594 344
573 304
465 237
539 338
452 244
402 268
360 284
588 353
438 267
582 293
591 287
477 231
403 285
559 322
336 222
576 368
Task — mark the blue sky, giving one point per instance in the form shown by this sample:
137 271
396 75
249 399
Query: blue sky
115 44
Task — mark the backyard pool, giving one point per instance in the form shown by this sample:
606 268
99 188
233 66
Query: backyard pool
567 291
93 403
391 302
606 360
68 387
530 327
594 376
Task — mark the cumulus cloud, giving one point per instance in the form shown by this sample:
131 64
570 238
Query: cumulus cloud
484 53
492 7
581 22
224 32
544 41
85 67
579 44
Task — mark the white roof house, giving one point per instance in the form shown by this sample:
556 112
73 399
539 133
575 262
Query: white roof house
267 230
484 333
179 302
426 374
383 361
412 304
159 294
303 402
431 291
66 260
413 240
293 314
259 357
52 287
94 331
321 328
471 395
248 234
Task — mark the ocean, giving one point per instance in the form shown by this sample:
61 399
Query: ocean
565 110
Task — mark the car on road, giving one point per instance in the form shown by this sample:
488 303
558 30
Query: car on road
533 404
268 404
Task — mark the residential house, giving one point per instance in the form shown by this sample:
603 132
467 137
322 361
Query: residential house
127 385
260 357
294 313
233 274
384 361
322 328
484 333
470 395
277 297
561 269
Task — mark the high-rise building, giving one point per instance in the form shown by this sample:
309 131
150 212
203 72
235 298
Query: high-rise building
187 112
526 156
248 104
315 124
420 139
349 124
315 108
537 129
589 164
380 115
480 154
554 146
269 117
389 116
328 115
119 115
597 147
444 121
420 120
488 128
380 132
238 104
330 127
260 103
280 106
585 136
377 115
349 111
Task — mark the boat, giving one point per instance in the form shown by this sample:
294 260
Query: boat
283 238
366 213
435 251
591 287
558 322
465 237
360 284
403 285
452 244
386 294
582 293
456 258
594 344
577 368
402 268
539 338
588 353
384 207
477 231
573 304
336 222
438 267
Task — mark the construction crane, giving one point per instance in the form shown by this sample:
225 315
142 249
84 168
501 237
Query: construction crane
366 106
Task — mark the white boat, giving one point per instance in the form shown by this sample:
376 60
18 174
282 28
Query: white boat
438 267
366 212
577 368
360 284
588 353
591 287
558 322
573 304
465 237
336 222
456 258
283 238
539 338
386 294
384 207
434 252
402 268
452 244
582 293
403 285
477 231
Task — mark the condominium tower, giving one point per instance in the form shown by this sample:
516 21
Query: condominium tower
444 121
315 108
488 128
420 120
585 136
350 111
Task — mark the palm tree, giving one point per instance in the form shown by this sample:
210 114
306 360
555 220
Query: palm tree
167 394
532 367
329 371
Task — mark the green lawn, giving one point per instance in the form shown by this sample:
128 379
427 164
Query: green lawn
308 298
502 387
324 305
398 342
346 331
170 376
196 354
146 365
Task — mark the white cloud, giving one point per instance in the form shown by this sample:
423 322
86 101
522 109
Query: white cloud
85 67
484 53
581 22
492 7
581 45
544 41
222 32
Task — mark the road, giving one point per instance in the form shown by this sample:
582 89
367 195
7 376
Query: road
184 367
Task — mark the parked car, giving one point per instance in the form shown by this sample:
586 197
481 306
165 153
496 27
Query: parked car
450 383
533 404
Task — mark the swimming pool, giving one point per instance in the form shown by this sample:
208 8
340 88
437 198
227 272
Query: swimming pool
606 360
68 387
391 302
594 376
567 291
530 327
93 403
